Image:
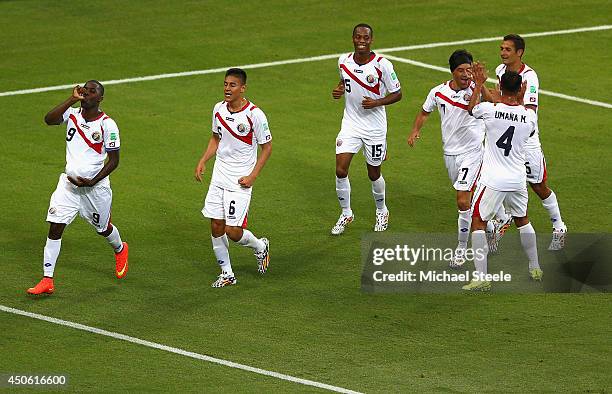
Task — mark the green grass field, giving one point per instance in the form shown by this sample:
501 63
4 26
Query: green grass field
307 317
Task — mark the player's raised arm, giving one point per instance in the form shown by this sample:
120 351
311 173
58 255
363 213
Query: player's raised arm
54 117
249 180
338 90
210 151
419 121
480 77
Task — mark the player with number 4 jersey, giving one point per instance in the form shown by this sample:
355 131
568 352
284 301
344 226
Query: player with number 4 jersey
368 83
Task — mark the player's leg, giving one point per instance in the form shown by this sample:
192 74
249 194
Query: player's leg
63 208
96 209
536 175
347 144
517 206
375 152
213 209
236 212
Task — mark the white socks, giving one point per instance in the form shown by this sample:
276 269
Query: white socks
222 253
552 206
52 250
251 241
114 239
479 241
463 223
378 192
528 240
343 190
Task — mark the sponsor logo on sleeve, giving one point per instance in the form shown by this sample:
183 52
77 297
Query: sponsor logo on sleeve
265 126
532 89
111 145
532 99
113 136
393 76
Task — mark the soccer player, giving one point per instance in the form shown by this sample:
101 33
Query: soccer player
238 127
462 137
512 50
502 179
84 187
368 83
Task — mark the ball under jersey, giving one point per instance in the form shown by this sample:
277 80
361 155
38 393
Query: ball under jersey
374 79
531 96
507 131
87 143
240 133
461 132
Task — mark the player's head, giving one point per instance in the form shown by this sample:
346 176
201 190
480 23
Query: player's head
512 48
510 83
362 37
93 93
460 63
234 84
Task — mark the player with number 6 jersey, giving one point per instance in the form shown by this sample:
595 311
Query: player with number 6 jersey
368 83
239 127
84 188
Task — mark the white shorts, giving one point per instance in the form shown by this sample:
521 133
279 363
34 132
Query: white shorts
535 165
92 203
463 169
228 205
374 149
486 202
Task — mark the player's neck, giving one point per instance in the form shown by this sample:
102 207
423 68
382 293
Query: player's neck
454 85
90 114
236 105
509 100
514 66
362 57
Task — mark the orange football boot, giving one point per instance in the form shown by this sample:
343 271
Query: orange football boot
121 262
44 286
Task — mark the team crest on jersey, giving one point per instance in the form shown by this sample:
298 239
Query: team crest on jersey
96 136
243 128
338 142
370 78
467 97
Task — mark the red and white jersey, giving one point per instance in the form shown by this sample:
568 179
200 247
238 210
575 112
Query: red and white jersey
461 132
507 131
531 96
240 133
88 142
374 79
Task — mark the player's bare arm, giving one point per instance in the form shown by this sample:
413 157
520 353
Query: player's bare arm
54 117
338 90
369 103
419 121
111 164
249 180
211 150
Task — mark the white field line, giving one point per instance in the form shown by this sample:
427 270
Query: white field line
178 351
301 60
542 91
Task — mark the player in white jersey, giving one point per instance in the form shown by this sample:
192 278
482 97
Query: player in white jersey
502 180
512 49
368 83
462 137
238 127
84 188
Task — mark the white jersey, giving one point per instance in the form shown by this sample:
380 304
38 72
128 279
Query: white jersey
531 96
87 143
461 132
374 79
240 133
507 131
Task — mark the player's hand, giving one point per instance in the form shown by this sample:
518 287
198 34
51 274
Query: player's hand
200 168
415 135
246 181
77 92
480 73
521 94
81 182
369 103
338 91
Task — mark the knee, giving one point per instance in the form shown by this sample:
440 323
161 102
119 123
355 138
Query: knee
233 233
463 203
373 173
341 172
541 189
520 222
217 228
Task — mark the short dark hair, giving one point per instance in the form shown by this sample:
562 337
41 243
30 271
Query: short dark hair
459 57
519 42
364 25
99 86
511 82
237 72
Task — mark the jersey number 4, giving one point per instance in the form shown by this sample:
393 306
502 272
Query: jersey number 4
505 141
